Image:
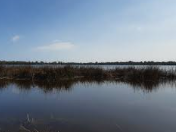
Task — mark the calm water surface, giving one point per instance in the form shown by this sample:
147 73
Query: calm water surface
88 107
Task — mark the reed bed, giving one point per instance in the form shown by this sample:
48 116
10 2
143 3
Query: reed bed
53 75
70 72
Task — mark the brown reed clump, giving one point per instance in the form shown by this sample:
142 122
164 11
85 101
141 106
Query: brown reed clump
54 74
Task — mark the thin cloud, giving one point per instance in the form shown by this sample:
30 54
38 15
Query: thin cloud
15 38
139 28
56 46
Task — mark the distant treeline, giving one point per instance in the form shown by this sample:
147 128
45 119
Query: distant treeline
88 63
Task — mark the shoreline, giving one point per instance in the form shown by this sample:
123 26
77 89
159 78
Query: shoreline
48 73
146 77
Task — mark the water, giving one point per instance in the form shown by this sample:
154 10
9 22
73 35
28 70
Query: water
88 107
164 67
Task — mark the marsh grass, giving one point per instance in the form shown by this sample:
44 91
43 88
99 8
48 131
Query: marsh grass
64 77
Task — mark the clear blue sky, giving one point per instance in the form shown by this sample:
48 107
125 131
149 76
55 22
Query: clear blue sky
88 30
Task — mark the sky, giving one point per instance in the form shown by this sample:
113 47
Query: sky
88 30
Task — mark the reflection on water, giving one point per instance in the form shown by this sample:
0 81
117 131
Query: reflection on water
87 106
146 86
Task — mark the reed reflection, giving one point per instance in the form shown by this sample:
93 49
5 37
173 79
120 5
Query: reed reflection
146 86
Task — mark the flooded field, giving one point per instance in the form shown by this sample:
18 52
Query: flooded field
87 107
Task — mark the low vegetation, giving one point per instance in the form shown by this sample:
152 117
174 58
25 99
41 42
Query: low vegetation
67 75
